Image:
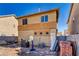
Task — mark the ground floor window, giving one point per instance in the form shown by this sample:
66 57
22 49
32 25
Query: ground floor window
40 33
47 32
35 33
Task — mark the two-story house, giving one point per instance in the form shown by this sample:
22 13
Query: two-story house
39 25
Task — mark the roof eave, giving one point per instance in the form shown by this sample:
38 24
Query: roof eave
37 13
70 12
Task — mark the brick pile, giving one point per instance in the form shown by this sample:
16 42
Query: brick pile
65 48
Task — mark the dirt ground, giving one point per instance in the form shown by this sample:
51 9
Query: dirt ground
7 51
37 52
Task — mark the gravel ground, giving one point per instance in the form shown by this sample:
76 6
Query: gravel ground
14 50
37 52
7 51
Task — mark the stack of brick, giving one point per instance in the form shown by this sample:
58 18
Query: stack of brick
65 48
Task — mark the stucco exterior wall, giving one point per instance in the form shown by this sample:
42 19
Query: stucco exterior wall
47 25
73 23
8 26
44 38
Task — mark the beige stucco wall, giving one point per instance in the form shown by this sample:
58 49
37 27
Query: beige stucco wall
74 26
8 26
45 38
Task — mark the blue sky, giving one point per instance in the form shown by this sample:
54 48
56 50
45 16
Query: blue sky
29 8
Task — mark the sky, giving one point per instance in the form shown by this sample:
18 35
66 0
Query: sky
21 9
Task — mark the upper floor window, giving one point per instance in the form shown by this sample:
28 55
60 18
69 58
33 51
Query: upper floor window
24 21
44 18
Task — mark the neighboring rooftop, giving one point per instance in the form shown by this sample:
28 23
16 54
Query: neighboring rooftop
1 16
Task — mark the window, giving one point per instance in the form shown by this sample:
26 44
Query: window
24 21
47 33
35 33
41 33
44 18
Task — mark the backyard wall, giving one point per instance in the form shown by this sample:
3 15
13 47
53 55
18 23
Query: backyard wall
74 38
